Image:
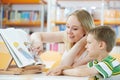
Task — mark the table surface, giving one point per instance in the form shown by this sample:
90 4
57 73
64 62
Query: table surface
39 77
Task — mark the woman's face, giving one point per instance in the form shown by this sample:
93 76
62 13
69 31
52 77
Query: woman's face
74 29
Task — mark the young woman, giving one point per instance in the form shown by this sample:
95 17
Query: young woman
78 24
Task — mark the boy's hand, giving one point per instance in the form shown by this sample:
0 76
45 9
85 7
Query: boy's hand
58 71
55 72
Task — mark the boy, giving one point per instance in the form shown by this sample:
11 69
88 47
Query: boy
100 42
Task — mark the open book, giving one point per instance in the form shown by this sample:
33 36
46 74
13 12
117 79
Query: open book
18 44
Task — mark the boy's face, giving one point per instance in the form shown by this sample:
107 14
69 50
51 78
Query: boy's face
92 46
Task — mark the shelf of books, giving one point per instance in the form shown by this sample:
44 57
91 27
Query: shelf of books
21 18
15 15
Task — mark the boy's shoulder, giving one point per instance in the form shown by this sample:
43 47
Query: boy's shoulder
109 59
108 67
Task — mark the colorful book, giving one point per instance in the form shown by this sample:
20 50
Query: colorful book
18 44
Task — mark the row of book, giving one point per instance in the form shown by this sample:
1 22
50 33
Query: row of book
22 15
59 28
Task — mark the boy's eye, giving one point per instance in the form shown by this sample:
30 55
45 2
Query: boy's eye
75 29
89 42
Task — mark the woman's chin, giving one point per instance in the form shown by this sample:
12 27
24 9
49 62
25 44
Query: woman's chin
72 41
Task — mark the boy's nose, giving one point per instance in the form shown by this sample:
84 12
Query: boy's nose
86 46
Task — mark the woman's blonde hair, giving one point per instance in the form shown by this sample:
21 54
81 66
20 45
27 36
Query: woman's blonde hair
86 21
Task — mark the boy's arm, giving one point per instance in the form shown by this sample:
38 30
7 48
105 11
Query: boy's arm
81 71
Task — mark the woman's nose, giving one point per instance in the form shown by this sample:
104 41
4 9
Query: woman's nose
69 31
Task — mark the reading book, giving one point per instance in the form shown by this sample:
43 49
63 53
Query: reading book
18 43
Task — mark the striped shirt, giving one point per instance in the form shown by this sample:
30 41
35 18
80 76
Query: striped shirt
107 67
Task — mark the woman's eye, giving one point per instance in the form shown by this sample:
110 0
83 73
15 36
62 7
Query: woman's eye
68 26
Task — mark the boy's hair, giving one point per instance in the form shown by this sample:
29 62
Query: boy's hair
106 34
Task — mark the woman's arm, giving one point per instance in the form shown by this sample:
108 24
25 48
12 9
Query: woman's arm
47 37
38 38
68 60
83 61
78 47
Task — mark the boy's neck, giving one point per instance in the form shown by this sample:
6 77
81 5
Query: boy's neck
102 56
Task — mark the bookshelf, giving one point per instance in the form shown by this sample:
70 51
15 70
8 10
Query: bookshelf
23 13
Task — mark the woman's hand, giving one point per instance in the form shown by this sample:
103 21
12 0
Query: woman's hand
37 47
36 43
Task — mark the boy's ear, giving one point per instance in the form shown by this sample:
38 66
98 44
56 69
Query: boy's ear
102 45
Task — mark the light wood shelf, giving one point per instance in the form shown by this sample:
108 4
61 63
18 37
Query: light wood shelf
112 22
7 23
63 22
23 1
118 42
96 22
22 24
